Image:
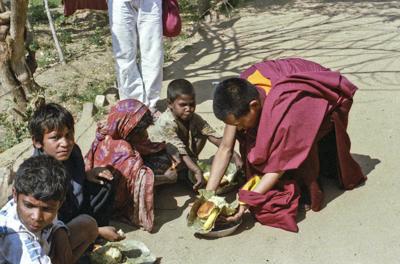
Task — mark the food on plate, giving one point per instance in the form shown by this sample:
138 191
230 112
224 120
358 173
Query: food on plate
207 208
208 211
107 255
121 233
227 178
114 253
128 251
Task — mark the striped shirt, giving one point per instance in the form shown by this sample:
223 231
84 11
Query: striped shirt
18 244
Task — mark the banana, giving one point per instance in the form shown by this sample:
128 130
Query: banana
211 219
252 183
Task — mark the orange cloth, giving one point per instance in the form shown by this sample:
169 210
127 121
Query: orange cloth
260 81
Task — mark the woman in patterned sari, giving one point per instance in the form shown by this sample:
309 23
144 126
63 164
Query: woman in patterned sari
122 145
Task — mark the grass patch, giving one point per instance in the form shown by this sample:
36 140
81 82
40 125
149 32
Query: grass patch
98 37
14 131
37 12
94 88
47 58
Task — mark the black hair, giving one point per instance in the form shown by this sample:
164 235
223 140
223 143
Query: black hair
49 117
233 96
178 88
43 177
144 123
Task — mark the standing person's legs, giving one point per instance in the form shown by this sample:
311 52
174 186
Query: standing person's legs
123 24
151 48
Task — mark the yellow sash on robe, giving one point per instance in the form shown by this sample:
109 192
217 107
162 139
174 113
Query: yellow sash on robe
260 81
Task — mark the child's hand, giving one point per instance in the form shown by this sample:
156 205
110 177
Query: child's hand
98 174
237 160
110 233
171 174
200 181
176 157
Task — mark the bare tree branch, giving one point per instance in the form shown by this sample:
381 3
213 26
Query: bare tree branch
53 32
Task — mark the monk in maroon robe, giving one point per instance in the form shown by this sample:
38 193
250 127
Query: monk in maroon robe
280 111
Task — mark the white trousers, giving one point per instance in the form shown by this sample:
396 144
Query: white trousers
136 29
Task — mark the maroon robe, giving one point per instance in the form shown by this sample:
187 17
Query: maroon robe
305 102
70 6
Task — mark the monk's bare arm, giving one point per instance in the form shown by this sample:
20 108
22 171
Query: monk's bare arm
235 156
267 182
222 157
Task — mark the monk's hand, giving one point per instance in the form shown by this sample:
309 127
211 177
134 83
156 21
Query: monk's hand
99 174
236 217
200 181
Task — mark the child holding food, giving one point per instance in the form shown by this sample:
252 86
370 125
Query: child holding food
181 127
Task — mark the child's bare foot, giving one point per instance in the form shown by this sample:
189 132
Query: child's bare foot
110 233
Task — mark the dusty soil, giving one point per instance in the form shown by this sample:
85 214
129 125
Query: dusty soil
359 38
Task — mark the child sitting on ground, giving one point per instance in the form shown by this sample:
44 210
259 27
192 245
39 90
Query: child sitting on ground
181 127
52 131
29 229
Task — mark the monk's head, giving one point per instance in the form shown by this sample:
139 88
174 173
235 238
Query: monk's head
237 103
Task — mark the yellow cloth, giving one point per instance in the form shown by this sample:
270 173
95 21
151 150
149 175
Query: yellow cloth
251 185
260 81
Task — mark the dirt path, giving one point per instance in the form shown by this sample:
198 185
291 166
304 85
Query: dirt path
359 38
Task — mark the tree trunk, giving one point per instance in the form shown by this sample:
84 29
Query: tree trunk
15 71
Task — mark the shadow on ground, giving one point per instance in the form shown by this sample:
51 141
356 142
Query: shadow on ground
170 202
315 31
331 187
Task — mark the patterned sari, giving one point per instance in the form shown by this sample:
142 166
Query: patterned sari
135 181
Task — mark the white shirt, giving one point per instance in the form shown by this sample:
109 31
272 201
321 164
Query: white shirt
18 244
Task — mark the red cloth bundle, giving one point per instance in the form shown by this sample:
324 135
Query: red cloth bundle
70 6
276 208
172 23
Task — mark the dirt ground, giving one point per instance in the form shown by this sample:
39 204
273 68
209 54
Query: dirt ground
358 38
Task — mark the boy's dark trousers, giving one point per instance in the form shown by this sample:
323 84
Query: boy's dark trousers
97 202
